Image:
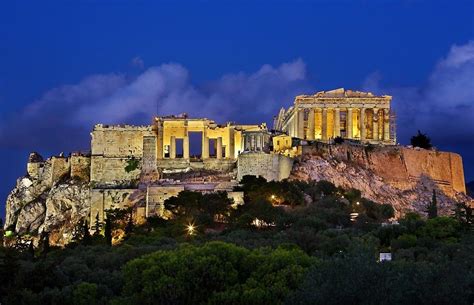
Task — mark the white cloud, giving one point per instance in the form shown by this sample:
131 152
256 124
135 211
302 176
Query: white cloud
443 107
63 115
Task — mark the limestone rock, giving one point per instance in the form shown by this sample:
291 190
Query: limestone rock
33 207
366 178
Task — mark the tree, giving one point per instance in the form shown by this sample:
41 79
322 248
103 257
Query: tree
338 140
97 225
464 214
86 237
108 231
421 140
44 243
432 209
215 273
130 225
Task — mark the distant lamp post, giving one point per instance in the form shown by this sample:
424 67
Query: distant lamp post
191 229
358 203
273 197
354 216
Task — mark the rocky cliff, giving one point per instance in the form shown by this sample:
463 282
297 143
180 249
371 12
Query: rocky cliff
49 199
57 192
404 177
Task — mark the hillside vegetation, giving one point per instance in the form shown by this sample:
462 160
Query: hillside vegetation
290 243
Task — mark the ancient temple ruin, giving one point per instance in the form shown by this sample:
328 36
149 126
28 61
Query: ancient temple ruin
342 113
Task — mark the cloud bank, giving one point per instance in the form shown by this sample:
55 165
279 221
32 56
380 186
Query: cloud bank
443 106
62 117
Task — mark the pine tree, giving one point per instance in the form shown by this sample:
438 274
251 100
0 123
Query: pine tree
97 225
129 226
44 243
433 207
108 231
86 235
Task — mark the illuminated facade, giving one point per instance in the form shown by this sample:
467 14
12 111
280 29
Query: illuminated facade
339 113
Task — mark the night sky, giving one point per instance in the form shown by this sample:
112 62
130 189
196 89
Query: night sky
67 65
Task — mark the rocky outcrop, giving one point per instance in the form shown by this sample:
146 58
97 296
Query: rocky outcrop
39 204
402 177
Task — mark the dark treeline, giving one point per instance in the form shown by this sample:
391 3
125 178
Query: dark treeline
290 243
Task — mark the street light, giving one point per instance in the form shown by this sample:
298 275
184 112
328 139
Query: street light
273 197
191 229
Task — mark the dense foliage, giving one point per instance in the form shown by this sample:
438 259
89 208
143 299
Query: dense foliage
290 243
421 140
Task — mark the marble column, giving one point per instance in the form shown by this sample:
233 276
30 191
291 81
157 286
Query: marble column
159 140
375 125
230 146
205 144
186 147
349 133
295 124
362 124
337 122
301 124
324 125
219 148
310 135
172 147
386 126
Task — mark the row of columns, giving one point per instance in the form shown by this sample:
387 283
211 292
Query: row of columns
253 142
229 147
205 147
349 122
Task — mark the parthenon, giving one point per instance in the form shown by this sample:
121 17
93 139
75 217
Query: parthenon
339 113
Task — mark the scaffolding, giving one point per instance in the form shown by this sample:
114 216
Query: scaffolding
393 126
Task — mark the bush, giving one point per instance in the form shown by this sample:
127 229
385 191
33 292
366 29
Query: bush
421 140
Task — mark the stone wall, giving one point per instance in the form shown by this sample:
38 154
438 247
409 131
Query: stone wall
80 167
399 166
156 197
111 171
270 166
105 199
119 141
60 167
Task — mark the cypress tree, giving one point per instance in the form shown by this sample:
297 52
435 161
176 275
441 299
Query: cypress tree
129 227
86 237
108 231
97 225
433 207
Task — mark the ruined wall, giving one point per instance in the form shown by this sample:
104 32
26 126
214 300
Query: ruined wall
156 197
401 167
119 141
60 167
112 148
270 166
111 172
105 199
80 167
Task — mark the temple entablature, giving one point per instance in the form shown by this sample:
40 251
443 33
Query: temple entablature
349 114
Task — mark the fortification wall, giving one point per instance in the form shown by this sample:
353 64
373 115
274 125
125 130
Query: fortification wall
401 167
111 171
80 167
60 167
270 166
105 199
119 141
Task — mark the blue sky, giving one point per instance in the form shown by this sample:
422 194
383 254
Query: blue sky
65 65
